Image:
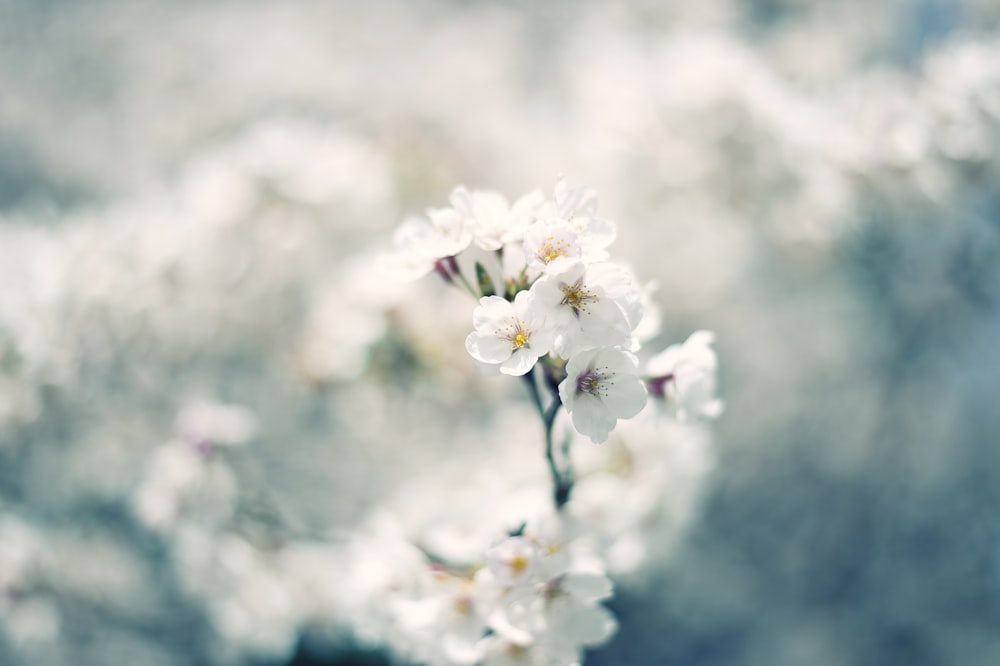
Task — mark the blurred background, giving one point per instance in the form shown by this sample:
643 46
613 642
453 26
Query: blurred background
190 196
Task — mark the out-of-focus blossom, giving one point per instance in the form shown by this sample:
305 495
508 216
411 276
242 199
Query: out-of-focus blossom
577 206
513 560
27 613
419 243
208 423
683 378
185 481
496 223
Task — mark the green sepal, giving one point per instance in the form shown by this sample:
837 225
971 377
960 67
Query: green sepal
486 287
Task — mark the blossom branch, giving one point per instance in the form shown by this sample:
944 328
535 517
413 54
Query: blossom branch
562 480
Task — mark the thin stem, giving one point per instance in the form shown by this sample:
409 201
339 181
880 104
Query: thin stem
536 398
568 476
562 482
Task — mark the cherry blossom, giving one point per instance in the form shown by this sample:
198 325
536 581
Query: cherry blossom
513 560
550 245
589 306
683 378
509 335
419 243
601 386
578 207
494 222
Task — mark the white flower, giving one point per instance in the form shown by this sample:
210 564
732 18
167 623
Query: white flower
510 335
684 377
339 335
579 201
207 424
185 482
578 207
419 243
601 386
494 222
551 244
513 560
572 614
558 617
444 624
545 602
652 316
589 306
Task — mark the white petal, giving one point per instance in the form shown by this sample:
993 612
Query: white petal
604 323
520 362
462 648
522 213
664 362
579 363
616 362
626 397
600 232
547 292
487 348
592 418
490 311
567 393
461 200
490 208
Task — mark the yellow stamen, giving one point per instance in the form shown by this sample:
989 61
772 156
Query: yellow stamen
578 297
518 564
516 333
552 249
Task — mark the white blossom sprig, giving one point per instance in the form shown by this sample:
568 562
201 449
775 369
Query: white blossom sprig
552 299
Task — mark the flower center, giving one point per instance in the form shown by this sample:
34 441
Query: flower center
516 333
592 382
552 248
518 565
578 297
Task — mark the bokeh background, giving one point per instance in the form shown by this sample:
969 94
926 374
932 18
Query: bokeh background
190 196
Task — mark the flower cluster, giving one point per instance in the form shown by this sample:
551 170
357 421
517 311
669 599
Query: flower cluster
187 479
527 599
256 579
490 572
27 613
544 600
556 311
550 297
